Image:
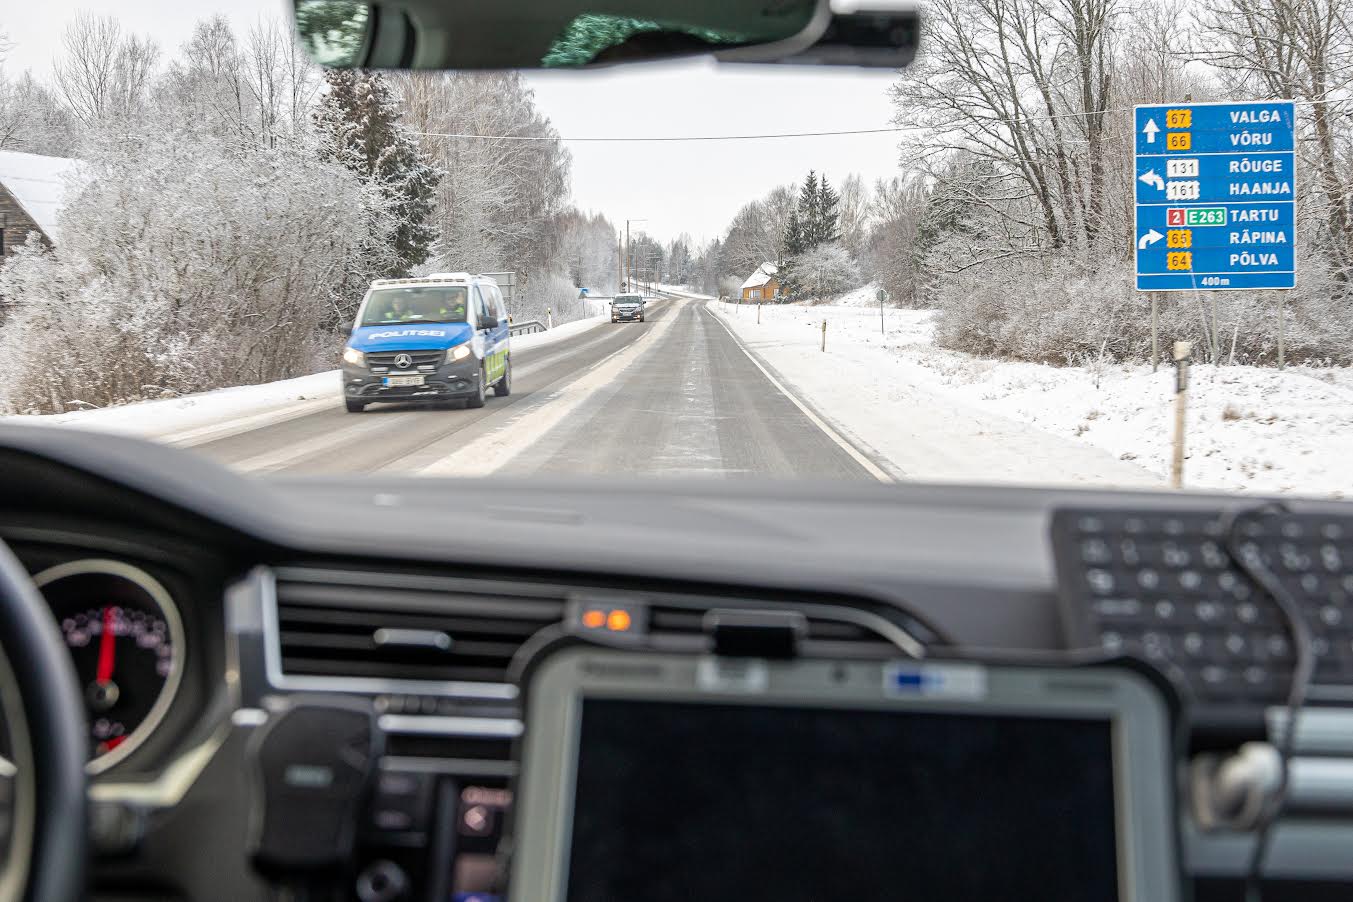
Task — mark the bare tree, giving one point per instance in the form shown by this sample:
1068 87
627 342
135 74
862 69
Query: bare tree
280 81
853 215
104 75
1025 85
1299 49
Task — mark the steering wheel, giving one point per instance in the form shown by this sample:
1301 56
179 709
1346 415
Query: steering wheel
40 700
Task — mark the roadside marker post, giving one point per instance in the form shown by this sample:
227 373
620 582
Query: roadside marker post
758 313
1182 350
824 336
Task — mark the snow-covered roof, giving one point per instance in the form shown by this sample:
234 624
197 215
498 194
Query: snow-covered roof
39 185
763 274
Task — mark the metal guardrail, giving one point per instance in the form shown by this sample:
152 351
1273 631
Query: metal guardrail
526 327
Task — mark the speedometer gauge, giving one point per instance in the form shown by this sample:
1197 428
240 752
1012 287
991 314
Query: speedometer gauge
126 640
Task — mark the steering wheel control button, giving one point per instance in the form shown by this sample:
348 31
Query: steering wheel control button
314 763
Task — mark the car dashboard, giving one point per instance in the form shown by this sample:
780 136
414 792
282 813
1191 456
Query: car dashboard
415 595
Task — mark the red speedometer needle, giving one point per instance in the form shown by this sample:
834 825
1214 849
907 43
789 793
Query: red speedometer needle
106 648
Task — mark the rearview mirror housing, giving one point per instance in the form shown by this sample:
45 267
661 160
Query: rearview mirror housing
568 34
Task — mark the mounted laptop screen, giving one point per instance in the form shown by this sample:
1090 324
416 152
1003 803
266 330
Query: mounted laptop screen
699 801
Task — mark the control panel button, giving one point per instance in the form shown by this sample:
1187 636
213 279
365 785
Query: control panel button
401 802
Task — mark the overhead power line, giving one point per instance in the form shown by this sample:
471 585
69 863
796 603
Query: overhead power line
616 139
896 129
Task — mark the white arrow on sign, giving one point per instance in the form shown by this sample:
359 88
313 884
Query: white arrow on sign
1149 239
1150 130
1151 178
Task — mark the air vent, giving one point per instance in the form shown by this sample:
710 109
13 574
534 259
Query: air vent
856 633
373 626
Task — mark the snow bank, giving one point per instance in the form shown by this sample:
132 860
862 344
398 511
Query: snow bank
195 418
864 296
943 414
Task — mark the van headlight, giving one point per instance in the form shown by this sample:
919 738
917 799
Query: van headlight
354 356
459 352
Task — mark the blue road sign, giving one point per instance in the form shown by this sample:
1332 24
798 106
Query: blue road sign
1215 187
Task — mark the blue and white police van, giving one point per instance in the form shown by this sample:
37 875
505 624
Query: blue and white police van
437 338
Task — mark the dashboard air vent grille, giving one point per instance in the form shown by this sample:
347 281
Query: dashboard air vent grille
348 624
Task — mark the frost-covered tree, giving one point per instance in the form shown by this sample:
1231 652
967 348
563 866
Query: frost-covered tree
588 252
360 126
820 273
895 249
259 89
33 120
233 282
506 176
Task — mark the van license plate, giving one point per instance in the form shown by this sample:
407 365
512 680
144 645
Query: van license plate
402 380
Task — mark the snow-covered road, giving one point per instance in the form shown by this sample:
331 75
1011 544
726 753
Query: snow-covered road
703 388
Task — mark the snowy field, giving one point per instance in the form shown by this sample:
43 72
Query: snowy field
938 414
207 416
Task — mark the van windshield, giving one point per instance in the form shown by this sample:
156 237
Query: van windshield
435 304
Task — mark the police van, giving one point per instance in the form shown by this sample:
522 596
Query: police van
441 337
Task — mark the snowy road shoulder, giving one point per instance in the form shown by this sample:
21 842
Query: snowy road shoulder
943 414
891 406
208 416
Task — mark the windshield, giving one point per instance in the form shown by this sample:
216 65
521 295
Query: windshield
1115 259
387 306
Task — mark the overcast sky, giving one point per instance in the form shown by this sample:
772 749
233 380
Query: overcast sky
677 187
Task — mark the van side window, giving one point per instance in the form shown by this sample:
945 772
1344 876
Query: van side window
472 306
498 304
485 304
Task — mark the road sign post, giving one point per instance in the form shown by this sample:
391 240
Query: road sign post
1155 331
1215 197
1282 350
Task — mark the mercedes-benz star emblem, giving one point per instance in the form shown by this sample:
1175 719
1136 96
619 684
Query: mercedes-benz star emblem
403 361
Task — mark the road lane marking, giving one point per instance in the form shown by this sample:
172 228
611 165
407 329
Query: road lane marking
281 457
872 468
211 432
542 411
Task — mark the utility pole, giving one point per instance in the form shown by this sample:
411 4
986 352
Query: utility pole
619 264
629 251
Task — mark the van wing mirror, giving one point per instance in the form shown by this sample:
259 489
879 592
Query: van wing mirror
488 322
